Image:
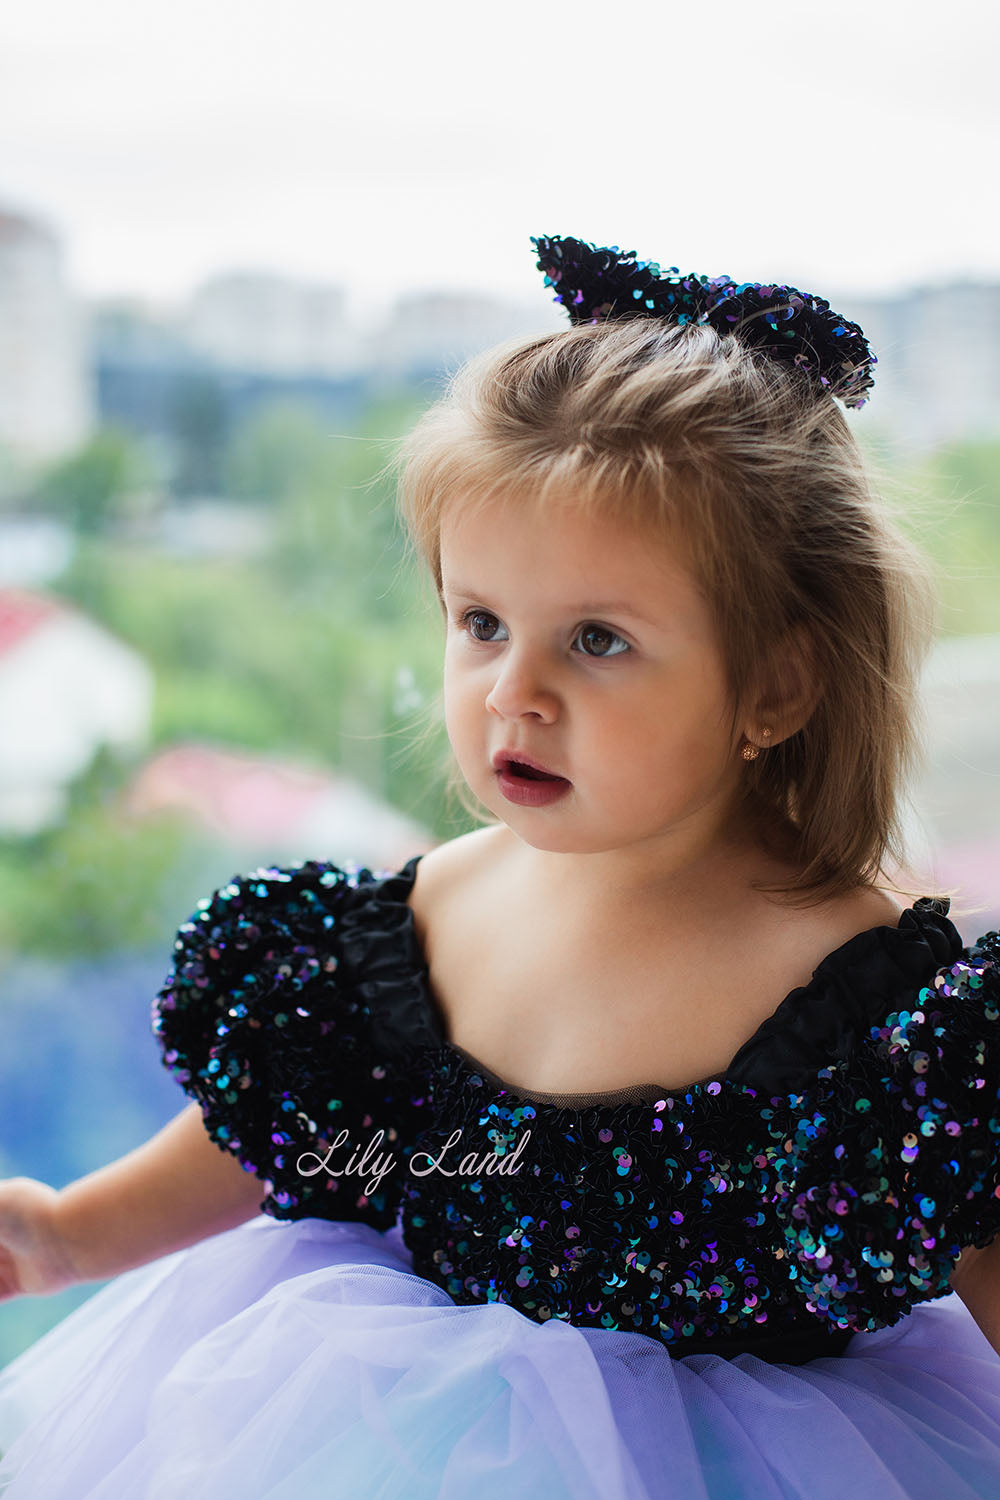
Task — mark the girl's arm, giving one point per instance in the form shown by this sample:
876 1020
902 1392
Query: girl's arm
976 1279
177 1188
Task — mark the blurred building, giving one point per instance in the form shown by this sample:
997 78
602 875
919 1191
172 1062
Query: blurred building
431 332
255 338
151 364
266 808
46 406
67 688
268 324
938 372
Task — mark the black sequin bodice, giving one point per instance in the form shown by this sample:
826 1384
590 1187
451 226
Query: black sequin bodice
820 1186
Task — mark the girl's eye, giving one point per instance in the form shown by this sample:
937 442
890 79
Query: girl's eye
601 634
477 614
593 633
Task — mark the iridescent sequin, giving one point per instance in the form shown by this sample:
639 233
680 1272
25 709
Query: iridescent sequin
912 1181
797 329
716 1213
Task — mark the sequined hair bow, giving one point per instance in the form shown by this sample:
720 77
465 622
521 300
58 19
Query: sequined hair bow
600 282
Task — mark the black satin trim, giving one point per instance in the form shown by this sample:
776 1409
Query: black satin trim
854 988
382 957
816 1025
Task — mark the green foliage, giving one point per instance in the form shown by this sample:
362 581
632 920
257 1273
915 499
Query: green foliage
337 532
199 426
955 502
279 451
98 883
92 487
325 650
15 478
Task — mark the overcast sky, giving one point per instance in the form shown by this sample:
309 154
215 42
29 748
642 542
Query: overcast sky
392 146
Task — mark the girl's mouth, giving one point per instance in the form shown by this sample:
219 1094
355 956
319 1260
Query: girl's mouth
517 768
527 787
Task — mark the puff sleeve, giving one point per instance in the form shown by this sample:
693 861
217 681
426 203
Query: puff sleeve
888 1166
263 1021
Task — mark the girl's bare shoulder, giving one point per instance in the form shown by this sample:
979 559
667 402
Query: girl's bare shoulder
856 912
451 865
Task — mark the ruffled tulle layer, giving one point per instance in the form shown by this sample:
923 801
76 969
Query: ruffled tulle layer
306 1361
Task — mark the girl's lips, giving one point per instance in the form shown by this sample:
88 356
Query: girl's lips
504 759
529 792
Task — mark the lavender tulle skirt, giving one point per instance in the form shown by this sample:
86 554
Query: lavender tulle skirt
307 1361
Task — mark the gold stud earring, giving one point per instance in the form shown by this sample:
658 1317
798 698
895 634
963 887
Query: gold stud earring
750 751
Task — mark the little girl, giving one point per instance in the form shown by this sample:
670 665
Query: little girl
640 1144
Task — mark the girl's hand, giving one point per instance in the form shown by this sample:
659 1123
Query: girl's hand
33 1258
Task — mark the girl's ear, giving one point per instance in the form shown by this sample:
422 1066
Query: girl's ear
791 689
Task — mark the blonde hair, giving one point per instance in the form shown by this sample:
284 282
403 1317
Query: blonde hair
759 475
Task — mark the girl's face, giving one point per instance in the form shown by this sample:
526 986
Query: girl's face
584 642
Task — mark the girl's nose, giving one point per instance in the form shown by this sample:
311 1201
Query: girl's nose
521 688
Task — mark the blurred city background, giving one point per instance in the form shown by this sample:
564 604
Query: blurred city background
214 652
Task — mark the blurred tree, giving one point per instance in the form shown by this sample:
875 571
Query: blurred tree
955 503
93 487
99 882
14 481
279 450
338 534
198 426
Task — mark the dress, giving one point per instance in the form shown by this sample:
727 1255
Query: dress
738 1291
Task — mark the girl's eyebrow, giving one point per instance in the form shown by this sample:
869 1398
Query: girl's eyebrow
605 607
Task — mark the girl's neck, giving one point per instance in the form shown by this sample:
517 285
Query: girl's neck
628 882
